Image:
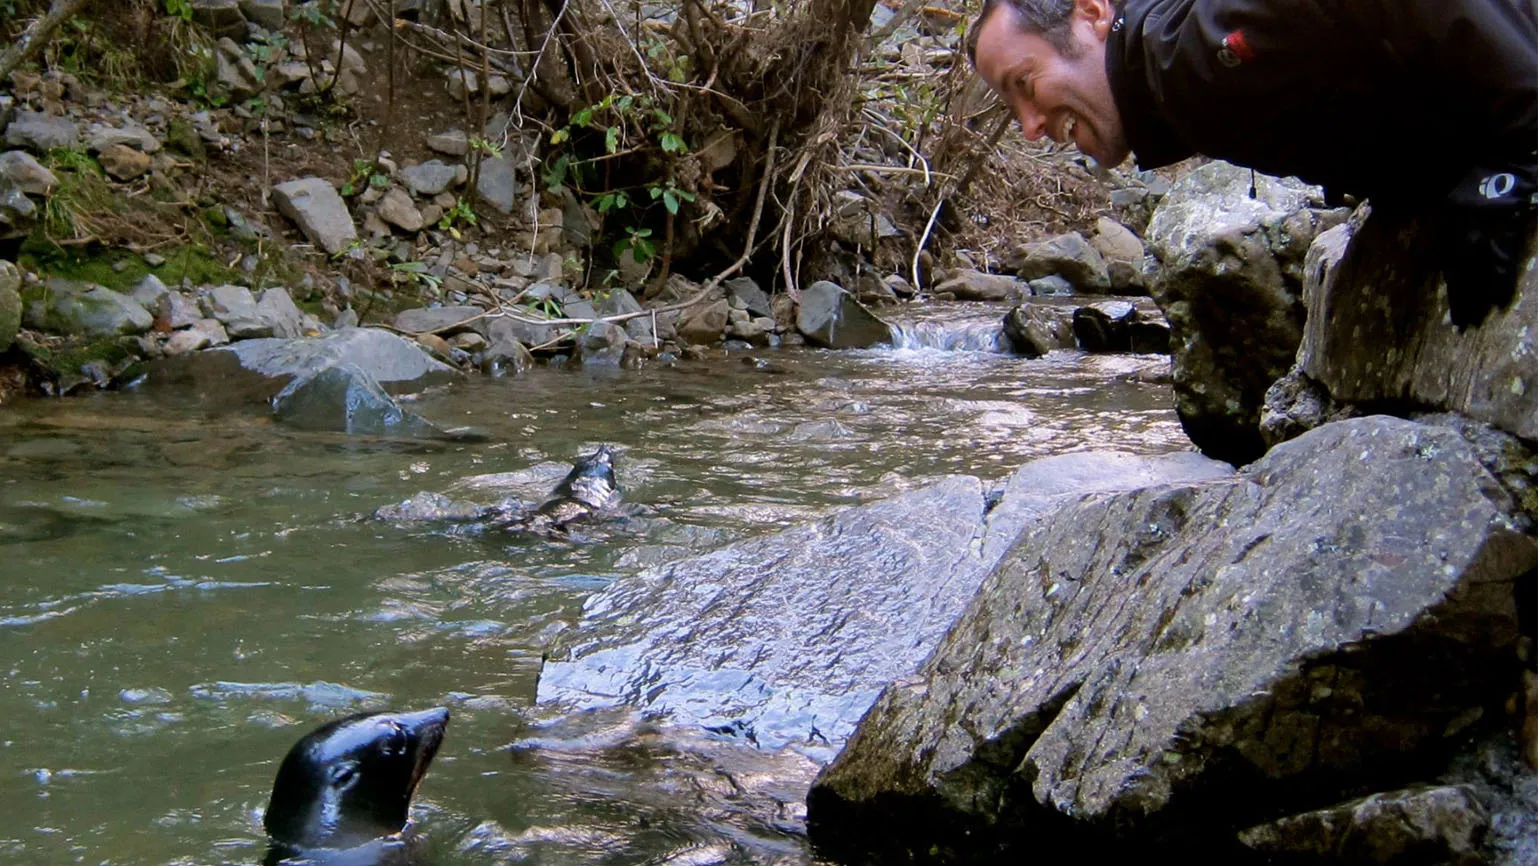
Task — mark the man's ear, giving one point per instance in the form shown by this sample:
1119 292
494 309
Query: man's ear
1098 13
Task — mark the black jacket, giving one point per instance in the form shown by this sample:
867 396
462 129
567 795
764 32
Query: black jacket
1397 100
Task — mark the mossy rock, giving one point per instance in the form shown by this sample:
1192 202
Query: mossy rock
79 309
10 304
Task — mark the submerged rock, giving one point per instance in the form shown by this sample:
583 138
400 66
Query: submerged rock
1442 825
785 640
1175 664
345 399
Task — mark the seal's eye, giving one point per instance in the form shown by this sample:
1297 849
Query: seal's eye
394 742
342 775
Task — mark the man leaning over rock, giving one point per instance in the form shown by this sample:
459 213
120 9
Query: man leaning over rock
1421 106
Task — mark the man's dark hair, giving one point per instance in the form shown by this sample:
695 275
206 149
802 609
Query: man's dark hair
1046 18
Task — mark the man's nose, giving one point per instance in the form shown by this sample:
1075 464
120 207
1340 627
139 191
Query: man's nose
1033 123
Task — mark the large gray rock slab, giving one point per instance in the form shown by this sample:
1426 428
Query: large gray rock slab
429 319
497 183
344 399
268 13
236 308
396 363
787 639
832 317
1378 331
1178 663
101 136
81 309
41 132
314 205
1230 285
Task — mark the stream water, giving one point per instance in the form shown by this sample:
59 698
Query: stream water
185 593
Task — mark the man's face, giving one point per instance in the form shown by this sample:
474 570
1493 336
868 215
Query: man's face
1065 96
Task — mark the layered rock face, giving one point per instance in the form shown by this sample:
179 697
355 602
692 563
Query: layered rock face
1378 336
1175 664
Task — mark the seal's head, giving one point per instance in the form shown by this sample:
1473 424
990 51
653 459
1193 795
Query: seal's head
591 481
351 781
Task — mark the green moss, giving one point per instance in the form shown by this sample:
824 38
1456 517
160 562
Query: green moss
104 269
67 360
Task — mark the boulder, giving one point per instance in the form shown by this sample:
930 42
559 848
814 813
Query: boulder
394 362
970 285
10 304
432 319
1050 286
1035 330
1124 254
19 171
1378 331
1069 256
831 317
703 325
1230 288
785 640
344 399
81 309
279 312
100 136
1103 326
619 302
1443 825
498 184
1170 666
40 133
601 344
222 17
234 67
744 292
18 215
270 14
124 162
235 308
396 208
314 205
452 142
428 179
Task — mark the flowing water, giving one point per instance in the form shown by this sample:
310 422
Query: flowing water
185 593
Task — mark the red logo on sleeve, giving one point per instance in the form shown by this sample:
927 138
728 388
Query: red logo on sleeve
1236 50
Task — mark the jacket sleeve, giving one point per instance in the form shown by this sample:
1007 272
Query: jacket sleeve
1475 58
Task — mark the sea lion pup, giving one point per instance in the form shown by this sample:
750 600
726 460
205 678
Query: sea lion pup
342 793
587 490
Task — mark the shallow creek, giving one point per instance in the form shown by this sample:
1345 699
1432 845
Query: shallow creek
184 594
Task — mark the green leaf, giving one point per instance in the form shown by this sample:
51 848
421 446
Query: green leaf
557 174
583 117
621 247
559 136
655 191
687 196
640 233
671 201
624 104
612 139
672 143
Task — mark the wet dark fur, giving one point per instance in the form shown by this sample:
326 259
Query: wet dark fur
589 490
342 794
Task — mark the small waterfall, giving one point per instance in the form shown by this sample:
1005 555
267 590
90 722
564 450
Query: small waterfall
963 336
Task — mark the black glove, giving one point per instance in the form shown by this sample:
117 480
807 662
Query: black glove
1487 222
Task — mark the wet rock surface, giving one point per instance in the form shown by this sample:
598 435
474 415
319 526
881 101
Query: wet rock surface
1230 286
1443 825
833 318
785 640
1173 665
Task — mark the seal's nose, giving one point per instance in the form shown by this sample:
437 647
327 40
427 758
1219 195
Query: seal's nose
425 722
